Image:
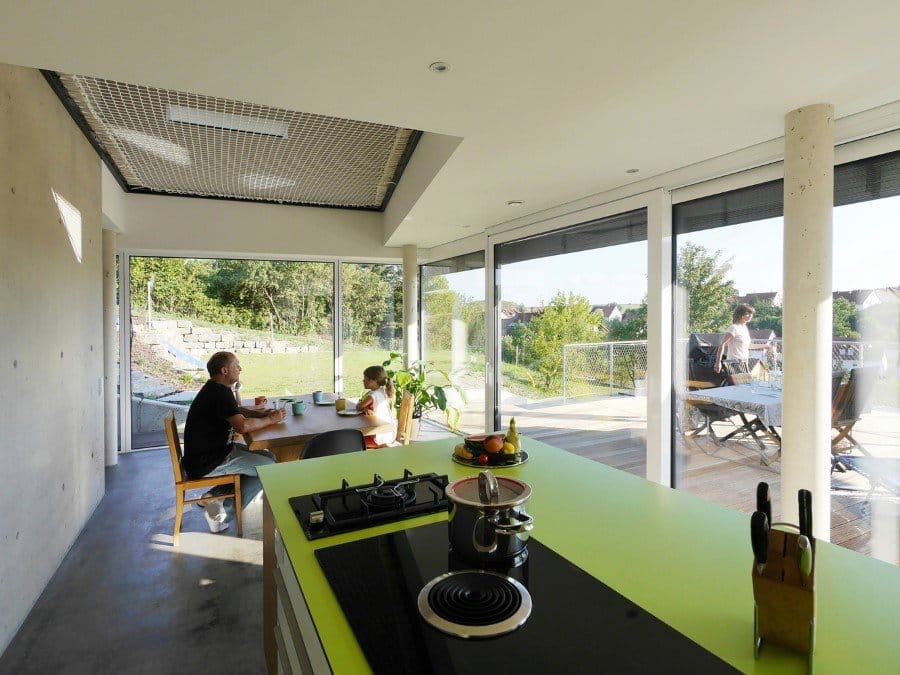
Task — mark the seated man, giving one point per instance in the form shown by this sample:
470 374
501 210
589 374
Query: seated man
210 445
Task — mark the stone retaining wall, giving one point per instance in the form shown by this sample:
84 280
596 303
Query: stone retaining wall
199 341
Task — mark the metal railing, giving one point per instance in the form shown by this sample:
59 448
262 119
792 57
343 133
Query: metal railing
600 368
603 368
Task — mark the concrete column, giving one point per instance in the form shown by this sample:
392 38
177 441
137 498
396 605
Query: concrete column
411 302
659 338
110 377
808 209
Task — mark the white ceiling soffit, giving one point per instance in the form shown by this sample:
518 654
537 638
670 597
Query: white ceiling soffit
171 142
554 102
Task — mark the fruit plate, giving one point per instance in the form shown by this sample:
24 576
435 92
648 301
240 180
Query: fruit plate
494 461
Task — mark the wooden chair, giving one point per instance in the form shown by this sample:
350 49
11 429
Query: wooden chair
404 420
336 442
848 404
183 483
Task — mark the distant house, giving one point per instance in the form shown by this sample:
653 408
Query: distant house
511 315
610 311
865 298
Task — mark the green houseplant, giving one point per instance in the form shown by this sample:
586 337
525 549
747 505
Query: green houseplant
426 384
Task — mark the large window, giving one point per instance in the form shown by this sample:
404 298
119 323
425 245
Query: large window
453 330
277 316
371 318
728 250
573 328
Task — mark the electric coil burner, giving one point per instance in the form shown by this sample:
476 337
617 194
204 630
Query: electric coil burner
474 604
354 507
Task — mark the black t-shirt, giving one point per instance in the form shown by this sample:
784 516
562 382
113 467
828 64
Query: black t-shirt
207 430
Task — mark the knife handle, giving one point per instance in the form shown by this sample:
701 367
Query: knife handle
759 538
763 500
804 501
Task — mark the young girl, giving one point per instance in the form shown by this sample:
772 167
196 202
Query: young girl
378 402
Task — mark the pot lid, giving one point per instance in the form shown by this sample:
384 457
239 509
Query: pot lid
512 492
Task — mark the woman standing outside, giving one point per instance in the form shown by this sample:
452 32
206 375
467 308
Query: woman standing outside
737 338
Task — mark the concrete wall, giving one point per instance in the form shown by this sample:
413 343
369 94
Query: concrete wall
51 340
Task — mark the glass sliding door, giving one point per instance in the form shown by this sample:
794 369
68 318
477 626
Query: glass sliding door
729 251
866 358
371 318
277 316
453 331
573 328
728 260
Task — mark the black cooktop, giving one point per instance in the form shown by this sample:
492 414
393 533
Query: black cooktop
354 507
577 623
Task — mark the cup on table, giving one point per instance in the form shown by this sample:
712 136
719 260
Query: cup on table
259 400
340 404
317 397
297 407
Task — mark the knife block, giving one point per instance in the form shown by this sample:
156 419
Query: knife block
785 611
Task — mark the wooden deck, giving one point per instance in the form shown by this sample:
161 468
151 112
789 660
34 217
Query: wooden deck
613 431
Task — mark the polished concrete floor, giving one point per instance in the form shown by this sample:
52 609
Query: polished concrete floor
125 601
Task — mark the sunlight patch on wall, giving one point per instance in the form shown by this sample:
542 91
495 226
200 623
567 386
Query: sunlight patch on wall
70 217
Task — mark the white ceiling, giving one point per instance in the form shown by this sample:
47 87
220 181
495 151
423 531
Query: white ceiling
552 101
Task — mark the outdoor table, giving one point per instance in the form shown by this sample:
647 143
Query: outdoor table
761 401
287 439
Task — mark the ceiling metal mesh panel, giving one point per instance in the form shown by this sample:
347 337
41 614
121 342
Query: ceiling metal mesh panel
186 144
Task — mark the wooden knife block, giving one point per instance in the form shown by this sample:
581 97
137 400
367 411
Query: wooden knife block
785 605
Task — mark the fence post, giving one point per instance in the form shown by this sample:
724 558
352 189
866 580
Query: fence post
565 370
610 367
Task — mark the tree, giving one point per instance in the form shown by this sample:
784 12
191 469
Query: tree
367 299
634 328
768 316
565 320
844 319
704 277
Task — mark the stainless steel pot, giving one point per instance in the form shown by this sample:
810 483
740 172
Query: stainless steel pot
488 523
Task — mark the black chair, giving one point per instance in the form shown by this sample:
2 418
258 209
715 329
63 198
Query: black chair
701 415
335 442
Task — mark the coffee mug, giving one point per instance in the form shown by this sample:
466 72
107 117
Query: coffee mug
340 404
317 397
298 407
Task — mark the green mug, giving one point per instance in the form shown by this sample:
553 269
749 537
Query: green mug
298 407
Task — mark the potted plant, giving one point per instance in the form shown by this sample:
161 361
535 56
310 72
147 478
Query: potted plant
426 384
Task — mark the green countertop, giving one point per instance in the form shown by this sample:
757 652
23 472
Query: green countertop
683 559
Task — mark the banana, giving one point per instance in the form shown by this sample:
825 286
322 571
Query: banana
461 451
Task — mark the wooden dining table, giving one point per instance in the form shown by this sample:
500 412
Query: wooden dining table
287 439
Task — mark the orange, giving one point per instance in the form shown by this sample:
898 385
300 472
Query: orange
493 444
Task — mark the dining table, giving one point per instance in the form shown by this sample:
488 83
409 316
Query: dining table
759 400
287 439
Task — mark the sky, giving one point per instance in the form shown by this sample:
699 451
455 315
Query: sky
866 248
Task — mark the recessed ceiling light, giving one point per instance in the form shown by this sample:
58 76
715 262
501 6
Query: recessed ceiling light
515 202
439 67
631 170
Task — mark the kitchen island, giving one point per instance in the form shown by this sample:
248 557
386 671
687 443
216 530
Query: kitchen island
686 561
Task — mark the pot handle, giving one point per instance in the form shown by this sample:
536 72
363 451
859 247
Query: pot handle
488 488
525 524
486 524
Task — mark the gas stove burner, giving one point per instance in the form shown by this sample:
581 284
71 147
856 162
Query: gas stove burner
352 507
474 604
385 496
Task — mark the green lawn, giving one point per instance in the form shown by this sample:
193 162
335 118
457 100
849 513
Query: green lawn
277 374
